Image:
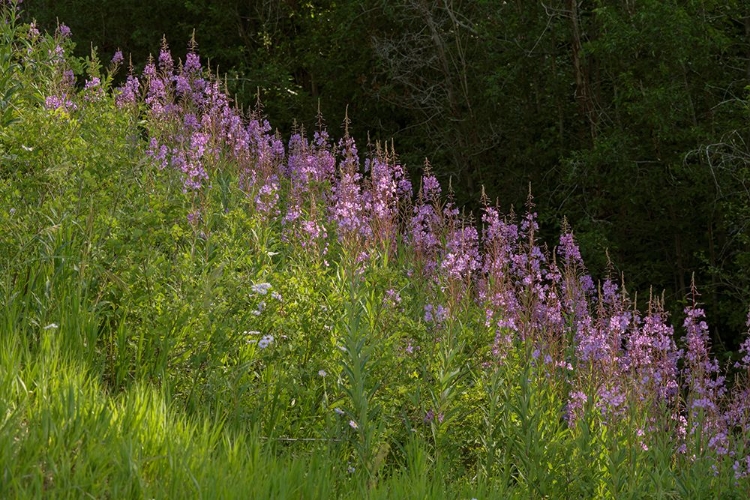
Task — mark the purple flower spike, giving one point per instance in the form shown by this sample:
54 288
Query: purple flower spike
569 251
59 102
192 63
704 379
33 30
430 186
351 207
462 258
117 58
166 63
93 89
576 402
64 31
128 93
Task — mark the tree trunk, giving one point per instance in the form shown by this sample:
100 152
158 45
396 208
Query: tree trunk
583 92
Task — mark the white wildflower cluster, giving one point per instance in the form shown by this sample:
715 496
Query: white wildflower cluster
260 308
261 288
265 340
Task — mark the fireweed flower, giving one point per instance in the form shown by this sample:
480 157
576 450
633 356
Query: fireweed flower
426 226
325 161
527 284
190 121
191 161
128 93
350 208
592 341
299 166
117 58
166 63
93 90
182 85
307 177
611 402
194 217
701 372
651 356
610 293
569 250
384 196
156 94
192 63
259 177
159 152
740 471
267 199
705 382
33 30
428 318
430 186
54 102
745 348
462 258
57 55
63 31
149 71
392 298
737 413
576 286
435 314
574 408
69 79
499 240
497 286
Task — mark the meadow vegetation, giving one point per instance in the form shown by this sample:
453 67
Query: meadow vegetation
192 307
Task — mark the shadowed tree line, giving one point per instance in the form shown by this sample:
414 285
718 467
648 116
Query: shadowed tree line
630 118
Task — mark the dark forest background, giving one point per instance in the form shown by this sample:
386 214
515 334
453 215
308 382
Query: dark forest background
628 117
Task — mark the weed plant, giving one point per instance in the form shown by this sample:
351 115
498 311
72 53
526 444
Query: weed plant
190 308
